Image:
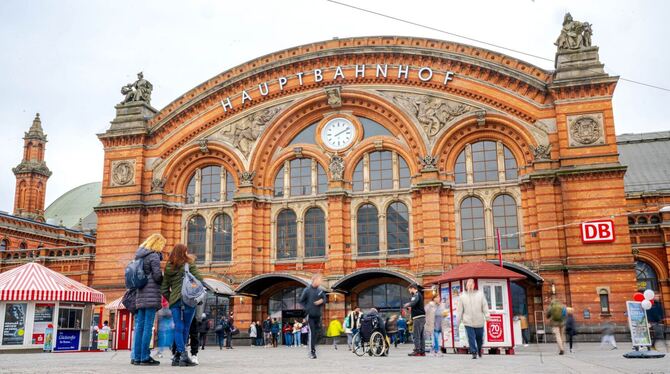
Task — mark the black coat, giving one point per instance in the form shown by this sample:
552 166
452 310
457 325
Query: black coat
309 296
570 326
149 296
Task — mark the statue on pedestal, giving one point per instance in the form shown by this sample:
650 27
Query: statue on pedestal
140 91
574 34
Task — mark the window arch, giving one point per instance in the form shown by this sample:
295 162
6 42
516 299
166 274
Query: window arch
315 233
4 245
381 170
23 245
484 158
279 183
385 297
397 228
367 230
196 237
505 219
358 179
654 219
306 177
287 235
473 231
642 220
223 238
210 184
285 299
646 276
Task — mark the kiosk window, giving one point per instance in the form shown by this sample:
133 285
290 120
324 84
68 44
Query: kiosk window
69 318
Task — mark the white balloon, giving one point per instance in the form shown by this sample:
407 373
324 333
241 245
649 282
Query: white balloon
646 304
649 295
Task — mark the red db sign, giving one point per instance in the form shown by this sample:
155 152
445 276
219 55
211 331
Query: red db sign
598 231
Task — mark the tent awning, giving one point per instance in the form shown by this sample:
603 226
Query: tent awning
218 287
115 305
480 270
33 281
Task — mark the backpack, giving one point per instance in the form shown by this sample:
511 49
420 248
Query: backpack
136 278
192 290
347 322
557 312
129 300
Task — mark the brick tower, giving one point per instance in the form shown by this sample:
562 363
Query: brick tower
32 174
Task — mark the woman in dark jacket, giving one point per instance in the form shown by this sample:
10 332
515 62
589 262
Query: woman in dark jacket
570 326
148 298
182 314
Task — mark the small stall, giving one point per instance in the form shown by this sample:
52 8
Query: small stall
121 324
43 309
494 282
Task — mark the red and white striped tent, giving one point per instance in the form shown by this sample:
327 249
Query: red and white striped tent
33 281
115 305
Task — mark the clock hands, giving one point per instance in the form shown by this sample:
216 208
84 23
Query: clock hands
341 132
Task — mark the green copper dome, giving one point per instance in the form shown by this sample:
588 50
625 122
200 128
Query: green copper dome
76 204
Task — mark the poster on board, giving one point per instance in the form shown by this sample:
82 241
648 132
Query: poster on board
44 314
15 324
638 324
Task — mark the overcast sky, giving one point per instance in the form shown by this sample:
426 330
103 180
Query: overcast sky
68 59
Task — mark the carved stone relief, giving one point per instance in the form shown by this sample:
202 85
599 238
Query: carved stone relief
247 178
586 130
243 133
541 152
334 98
123 173
336 168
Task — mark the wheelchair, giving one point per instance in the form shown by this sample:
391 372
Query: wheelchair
371 338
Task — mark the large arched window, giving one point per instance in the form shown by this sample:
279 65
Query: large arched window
196 237
646 276
384 297
315 233
4 245
473 231
505 219
367 230
286 299
357 179
301 176
209 185
397 228
302 172
223 238
286 235
484 157
381 172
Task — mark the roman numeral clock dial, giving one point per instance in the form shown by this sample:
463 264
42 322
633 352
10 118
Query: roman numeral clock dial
338 133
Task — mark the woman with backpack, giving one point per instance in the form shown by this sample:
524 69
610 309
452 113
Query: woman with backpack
171 288
148 299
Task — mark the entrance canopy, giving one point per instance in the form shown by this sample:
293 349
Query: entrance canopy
479 270
256 285
33 281
352 280
218 287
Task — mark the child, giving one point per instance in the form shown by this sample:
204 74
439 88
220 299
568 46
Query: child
334 331
165 328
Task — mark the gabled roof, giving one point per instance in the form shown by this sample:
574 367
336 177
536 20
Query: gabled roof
646 155
480 270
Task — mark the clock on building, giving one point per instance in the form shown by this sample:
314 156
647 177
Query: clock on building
338 133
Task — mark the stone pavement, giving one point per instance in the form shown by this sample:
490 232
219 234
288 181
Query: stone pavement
543 359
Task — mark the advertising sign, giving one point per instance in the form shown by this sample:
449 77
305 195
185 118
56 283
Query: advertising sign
67 340
103 339
15 324
597 231
49 338
638 324
494 329
43 317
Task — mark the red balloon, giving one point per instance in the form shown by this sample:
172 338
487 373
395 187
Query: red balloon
652 302
638 296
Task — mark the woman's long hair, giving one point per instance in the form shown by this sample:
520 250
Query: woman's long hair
179 256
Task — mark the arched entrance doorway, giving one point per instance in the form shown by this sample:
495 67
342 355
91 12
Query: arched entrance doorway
385 290
276 295
647 279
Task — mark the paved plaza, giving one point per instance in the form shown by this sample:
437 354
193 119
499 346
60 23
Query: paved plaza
588 359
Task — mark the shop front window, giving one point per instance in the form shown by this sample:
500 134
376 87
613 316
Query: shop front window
386 297
69 318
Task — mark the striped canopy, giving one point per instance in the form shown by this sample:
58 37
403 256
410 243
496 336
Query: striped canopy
33 281
115 305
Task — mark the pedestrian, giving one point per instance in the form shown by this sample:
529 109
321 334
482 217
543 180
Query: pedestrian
297 326
556 315
275 329
418 315
171 288
570 327
105 330
148 299
259 330
230 331
312 299
474 311
165 328
525 332
253 333
287 333
435 313
304 332
220 331
402 329
203 330
392 329
193 336
659 334
267 331
354 321
334 330
608 335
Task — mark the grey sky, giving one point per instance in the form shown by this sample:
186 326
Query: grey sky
68 59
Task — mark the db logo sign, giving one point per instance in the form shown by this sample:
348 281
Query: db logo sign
597 231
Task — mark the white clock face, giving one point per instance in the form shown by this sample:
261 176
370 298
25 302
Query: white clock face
338 133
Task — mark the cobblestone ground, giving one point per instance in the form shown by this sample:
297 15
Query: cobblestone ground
589 358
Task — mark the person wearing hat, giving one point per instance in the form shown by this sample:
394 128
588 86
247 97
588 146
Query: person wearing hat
418 315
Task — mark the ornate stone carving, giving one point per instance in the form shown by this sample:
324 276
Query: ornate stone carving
123 173
481 117
541 152
585 130
139 91
336 168
428 162
244 132
203 145
157 184
431 112
32 166
574 34
334 98
247 178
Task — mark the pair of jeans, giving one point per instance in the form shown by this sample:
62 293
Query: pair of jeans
314 332
436 340
475 338
219 339
401 336
418 335
296 339
288 339
144 323
182 315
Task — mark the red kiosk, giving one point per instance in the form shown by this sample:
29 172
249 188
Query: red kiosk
122 328
494 281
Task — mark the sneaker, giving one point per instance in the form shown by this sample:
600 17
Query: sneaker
184 360
133 362
560 353
416 354
175 359
194 358
525 345
150 362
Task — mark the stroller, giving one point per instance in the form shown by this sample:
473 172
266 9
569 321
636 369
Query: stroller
371 337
